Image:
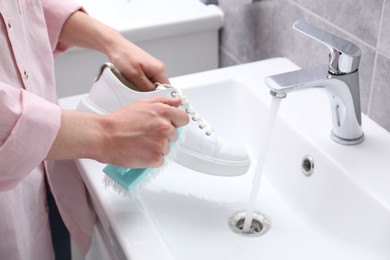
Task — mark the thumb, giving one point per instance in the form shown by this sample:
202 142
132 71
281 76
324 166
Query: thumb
175 102
143 83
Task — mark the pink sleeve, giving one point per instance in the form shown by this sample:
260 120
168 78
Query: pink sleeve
29 125
56 13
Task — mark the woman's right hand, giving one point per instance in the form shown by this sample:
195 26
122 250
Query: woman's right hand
136 136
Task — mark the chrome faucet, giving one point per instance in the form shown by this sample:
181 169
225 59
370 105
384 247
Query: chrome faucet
339 78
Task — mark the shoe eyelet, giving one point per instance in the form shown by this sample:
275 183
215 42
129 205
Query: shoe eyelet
173 94
208 133
202 126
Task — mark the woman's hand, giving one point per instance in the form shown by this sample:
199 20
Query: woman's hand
140 68
136 136
135 64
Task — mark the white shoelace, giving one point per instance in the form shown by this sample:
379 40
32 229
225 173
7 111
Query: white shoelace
189 109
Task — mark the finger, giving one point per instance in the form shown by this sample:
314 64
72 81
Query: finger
175 115
143 82
173 136
178 117
156 71
174 102
159 162
161 77
166 149
170 109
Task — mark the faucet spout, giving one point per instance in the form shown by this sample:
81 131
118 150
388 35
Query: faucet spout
282 84
343 92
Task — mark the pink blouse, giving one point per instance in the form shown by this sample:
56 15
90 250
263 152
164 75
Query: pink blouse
29 122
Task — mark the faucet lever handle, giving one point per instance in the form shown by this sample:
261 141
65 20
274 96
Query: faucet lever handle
344 56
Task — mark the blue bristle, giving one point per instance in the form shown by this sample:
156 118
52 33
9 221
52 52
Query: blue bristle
127 179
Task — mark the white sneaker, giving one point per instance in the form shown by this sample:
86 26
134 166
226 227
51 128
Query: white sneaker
201 150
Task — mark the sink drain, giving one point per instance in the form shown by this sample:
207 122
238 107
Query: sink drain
260 224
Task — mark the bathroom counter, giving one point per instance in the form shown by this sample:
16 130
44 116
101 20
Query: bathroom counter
128 226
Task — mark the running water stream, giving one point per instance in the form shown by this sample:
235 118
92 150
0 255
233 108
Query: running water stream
261 159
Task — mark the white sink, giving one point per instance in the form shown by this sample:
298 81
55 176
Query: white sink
342 211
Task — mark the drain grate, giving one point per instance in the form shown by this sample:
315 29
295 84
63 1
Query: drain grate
260 224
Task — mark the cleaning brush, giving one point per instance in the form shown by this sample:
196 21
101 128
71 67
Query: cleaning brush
127 181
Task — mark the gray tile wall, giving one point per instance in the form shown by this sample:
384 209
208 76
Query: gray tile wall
264 30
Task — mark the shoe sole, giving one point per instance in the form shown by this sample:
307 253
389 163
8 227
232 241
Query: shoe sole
212 166
185 156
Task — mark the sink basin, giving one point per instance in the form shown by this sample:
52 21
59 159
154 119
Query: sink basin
328 212
340 211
